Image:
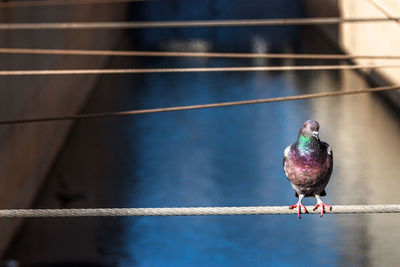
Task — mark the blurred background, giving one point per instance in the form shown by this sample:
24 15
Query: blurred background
229 156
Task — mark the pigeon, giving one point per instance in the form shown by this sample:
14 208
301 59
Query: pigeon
308 166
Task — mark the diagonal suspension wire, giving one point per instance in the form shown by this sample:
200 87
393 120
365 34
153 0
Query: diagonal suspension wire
382 10
192 107
192 211
41 3
184 54
185 70
183 24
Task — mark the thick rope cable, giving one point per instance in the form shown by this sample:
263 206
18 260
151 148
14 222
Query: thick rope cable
185 70
193 211
192 107
184 24
184 54
41 3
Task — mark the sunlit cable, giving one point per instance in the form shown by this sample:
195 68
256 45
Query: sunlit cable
182 24
81 52
186 70
381 9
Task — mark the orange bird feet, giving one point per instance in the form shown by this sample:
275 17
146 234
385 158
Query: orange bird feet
323 206
299 206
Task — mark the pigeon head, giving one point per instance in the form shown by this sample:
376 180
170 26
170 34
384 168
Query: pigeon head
308 139
310 129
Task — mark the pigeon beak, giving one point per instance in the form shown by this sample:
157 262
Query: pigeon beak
315 134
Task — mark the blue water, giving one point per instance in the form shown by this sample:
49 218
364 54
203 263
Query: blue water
216 157
219 157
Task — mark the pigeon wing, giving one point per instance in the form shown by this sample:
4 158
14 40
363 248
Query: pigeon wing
285 157
329 164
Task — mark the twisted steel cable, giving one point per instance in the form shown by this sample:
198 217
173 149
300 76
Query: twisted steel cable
191 211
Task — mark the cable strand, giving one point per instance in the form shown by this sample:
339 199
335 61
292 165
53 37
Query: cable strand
185 70
193 107
383 11
36 3
191 211
78 52
184 24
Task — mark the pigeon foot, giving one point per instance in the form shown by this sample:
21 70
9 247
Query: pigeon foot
299 206
323 206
